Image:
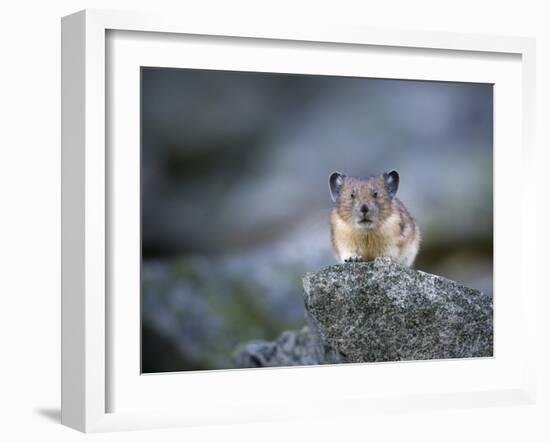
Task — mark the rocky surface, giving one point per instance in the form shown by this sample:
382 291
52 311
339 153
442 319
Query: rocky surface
379 311
291 348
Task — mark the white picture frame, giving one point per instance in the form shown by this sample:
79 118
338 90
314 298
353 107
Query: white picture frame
86 351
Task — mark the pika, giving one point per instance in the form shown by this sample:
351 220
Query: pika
368 222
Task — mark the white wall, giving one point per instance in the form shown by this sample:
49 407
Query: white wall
30 220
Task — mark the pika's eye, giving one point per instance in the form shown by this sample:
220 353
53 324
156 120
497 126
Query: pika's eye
375 194
352 194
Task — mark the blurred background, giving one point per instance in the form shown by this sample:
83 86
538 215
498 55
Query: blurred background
235 200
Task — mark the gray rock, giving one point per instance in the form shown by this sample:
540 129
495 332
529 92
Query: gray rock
291 348
379 311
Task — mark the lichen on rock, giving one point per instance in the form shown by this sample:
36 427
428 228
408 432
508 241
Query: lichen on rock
380 311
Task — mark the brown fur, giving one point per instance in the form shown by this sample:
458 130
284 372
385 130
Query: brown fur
393 233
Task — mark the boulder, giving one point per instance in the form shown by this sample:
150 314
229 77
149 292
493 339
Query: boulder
380 311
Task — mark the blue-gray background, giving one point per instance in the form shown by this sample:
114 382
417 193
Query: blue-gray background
235 200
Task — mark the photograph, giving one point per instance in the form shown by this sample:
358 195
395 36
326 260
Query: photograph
302 220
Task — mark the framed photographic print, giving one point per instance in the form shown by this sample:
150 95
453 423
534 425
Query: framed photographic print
266 222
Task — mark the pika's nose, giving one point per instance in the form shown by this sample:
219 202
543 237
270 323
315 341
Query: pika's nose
364 208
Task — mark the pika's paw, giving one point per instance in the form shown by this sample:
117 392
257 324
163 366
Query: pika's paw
354 259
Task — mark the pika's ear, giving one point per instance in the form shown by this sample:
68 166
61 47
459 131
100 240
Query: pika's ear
392 182
335 183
